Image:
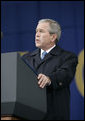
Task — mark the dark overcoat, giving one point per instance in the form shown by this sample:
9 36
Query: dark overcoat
60 66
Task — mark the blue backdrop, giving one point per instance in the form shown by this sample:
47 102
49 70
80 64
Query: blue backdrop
18 23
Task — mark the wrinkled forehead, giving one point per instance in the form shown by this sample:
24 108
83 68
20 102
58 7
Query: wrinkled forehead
43 25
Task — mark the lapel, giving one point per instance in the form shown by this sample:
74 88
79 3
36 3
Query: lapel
54 52
36 55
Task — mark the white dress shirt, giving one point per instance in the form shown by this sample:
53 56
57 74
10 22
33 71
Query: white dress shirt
47 50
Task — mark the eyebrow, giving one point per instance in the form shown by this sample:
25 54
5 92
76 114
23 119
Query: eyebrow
39 29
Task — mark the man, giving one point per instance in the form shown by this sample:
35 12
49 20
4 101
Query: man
55 71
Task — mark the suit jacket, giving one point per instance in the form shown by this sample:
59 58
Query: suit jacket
60 66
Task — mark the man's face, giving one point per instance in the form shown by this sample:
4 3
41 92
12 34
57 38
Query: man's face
43 39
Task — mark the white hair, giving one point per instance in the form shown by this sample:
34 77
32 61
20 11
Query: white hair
54 27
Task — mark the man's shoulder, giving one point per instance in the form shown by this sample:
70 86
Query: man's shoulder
36 51
66 54
63 52
69 53
29 54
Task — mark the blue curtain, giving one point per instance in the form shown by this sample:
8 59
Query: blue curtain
18 23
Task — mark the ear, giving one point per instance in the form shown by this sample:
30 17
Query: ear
54 36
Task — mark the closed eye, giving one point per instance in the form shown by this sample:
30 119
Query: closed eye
40 30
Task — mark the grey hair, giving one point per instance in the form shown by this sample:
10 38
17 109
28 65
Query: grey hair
54 27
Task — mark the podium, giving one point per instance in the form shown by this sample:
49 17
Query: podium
20 94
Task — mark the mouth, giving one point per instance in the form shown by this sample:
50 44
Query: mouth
37 40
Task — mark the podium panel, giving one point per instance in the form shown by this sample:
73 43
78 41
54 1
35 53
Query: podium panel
20 94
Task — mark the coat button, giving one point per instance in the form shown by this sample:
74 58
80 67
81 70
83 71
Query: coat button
60 84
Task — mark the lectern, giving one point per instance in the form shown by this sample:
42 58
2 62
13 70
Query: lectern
20 94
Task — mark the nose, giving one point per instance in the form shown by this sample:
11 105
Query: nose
37 34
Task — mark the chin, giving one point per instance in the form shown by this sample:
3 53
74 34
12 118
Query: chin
37 45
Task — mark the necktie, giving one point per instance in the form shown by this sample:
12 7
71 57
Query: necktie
43 54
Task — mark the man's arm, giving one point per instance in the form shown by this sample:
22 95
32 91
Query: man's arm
62 76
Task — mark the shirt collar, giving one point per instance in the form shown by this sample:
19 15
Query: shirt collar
47 50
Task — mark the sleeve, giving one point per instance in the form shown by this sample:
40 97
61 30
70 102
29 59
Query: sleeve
63 75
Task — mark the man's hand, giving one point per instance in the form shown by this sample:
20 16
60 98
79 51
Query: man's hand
43 80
